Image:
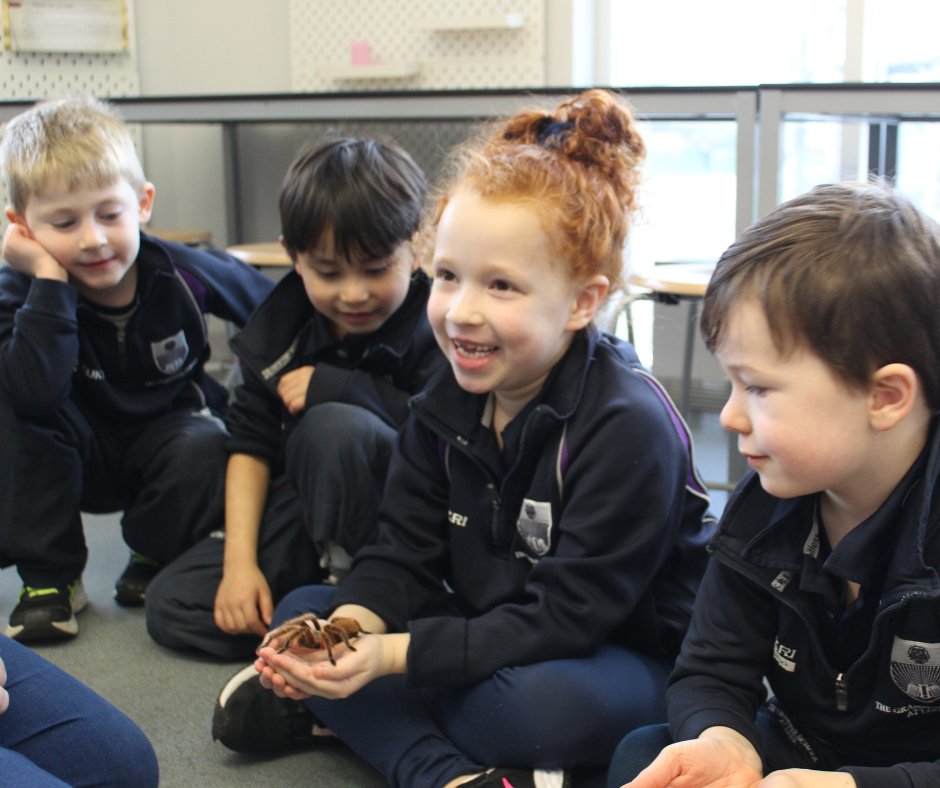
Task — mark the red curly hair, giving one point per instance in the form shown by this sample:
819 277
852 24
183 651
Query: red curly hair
579 165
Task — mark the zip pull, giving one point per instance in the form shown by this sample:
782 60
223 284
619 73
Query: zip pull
842 693
494 503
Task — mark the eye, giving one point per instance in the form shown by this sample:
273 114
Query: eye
502 285
379 270
756 390
64 224
445 275
111 216
325 274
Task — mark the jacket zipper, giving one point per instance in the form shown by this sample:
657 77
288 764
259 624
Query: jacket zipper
840 681
494 505
842 692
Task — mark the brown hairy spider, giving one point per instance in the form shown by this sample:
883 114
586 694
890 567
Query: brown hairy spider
306 631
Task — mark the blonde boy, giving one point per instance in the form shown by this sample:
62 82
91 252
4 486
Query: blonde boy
104 401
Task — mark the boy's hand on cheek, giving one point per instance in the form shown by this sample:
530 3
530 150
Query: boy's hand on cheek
27 256
292 388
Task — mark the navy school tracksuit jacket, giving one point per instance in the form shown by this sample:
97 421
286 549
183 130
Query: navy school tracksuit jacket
590 527
54 346
377 371
872 706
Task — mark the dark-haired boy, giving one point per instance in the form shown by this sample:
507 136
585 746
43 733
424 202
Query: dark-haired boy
330 360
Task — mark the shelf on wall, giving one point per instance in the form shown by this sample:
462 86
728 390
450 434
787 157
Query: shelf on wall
512 21
395 70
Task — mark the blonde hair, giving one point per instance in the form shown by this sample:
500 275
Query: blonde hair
73 142
578 165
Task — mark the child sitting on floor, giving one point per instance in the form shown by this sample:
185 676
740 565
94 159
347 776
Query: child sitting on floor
825 575
542 530
330 360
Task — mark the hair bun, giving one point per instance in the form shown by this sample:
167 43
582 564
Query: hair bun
593 128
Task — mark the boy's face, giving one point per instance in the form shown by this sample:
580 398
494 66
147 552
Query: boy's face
94 234
356 296
799 426
500 306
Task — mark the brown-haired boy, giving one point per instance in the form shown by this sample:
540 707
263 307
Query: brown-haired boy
824 576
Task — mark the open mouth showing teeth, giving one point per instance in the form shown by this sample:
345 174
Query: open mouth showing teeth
473 349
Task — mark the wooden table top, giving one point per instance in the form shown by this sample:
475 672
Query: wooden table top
681 279
267 253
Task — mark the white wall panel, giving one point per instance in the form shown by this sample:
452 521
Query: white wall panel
441 41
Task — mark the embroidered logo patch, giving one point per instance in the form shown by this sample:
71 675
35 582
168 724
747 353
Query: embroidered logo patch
170 354
915 669
535 525
785 656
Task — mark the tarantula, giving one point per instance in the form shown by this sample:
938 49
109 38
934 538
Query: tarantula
306 631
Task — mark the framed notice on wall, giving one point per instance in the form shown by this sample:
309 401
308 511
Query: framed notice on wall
80 26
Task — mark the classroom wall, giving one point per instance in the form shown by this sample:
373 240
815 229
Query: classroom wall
201 47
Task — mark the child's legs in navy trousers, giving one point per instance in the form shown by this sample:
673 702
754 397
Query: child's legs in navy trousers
58 732
167 475
180 601
336 458
553 714
637 750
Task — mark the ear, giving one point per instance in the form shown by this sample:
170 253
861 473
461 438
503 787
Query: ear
587 301
13 217
894 391
145 202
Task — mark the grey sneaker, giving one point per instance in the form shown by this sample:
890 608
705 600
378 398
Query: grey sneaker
47 613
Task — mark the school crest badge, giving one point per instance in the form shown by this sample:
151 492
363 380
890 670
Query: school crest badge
535 526
915 669
170 354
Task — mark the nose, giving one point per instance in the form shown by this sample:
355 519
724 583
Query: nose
463 308
733 415
91 236
354 290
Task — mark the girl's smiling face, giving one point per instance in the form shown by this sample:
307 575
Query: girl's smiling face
502 307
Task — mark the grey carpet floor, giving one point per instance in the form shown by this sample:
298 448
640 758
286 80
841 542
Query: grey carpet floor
170 695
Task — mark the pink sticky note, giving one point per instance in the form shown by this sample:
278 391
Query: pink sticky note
360 52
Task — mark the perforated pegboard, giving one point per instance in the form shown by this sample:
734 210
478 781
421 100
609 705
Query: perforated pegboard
323 32
36 76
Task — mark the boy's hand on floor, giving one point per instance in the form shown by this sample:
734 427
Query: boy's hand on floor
28 257
292 388
243 602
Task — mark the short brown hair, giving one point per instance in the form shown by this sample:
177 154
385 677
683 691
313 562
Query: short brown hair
579 165
78 142
850 271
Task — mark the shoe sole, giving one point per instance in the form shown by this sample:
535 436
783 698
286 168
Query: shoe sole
245 674
53 630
